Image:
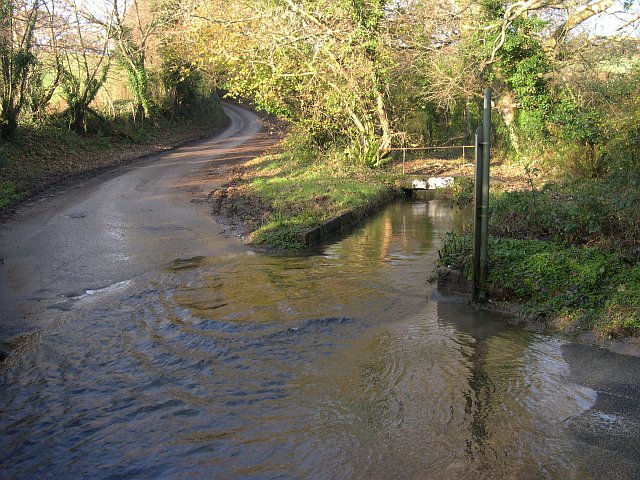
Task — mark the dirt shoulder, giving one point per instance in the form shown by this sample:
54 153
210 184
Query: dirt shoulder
239 213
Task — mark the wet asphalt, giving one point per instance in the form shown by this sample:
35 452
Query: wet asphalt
123 223
120 224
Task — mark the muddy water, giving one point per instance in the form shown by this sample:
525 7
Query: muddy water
331 365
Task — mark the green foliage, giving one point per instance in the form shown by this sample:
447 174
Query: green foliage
368 14
334 85
523 63
16 61
492 8
131 57
8 193
623 305
575 287
41 89
186 88
619 119
568 251
456 252
138 81
22 60
577 124
79 90
283 234
462 191
604 212
365 151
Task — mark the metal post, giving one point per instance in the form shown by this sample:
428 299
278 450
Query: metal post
481 233
486 160
477 243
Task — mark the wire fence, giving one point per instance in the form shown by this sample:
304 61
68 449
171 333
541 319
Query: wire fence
404 151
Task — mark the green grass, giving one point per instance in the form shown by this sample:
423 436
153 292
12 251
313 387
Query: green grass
8 194
303 187
572 287
604 212
568 253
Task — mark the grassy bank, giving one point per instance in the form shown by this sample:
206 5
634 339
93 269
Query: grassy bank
281 195
568 253
39 157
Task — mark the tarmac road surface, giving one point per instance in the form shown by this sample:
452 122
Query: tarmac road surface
117 225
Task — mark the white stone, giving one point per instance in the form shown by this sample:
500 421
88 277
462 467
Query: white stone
432 183
419 184
439 182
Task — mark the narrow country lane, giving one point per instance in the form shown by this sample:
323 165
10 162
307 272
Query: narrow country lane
118 225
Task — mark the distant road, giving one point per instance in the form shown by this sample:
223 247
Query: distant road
118 225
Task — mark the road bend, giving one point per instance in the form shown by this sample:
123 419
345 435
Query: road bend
120 224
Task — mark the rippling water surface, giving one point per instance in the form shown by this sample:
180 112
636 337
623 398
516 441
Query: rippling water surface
332 365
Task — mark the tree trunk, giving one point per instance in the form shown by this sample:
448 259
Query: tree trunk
467 116
578 17
383 118
508 110
8 126
78 115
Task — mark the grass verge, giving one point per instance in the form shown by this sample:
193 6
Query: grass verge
282 195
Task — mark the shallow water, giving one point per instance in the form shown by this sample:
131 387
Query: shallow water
330 365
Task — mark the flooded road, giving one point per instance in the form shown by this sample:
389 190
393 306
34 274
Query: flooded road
336 364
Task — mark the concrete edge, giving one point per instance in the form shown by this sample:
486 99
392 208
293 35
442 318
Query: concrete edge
344 222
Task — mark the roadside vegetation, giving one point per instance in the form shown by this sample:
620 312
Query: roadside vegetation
373 75
568 253
282 195
573 288
42 156
567 244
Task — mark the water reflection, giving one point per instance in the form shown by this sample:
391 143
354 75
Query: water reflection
322 366
516 378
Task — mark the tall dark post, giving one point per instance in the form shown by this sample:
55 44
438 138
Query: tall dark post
481 226
477 244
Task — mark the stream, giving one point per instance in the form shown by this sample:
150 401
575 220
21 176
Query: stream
340 363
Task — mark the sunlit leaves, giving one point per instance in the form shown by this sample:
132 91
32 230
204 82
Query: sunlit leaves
320 62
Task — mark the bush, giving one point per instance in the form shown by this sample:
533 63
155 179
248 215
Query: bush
605 212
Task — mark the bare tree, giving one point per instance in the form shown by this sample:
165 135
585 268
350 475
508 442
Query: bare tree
134 25
320 62
46 73
17 26
85 62
463 47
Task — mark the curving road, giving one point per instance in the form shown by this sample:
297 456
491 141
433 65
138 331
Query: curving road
326 366
119 225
